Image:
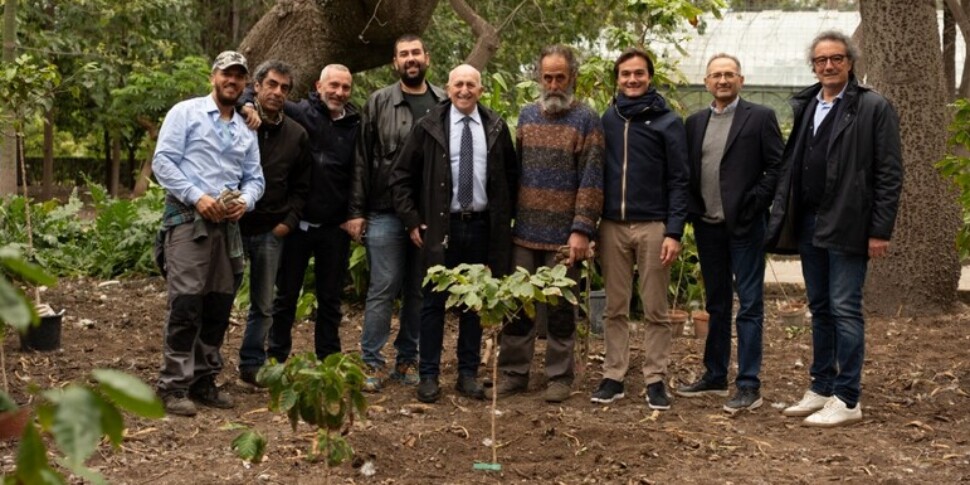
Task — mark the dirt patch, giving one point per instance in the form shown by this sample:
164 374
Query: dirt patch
915 400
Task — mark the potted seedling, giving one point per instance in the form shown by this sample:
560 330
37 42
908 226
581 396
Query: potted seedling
17 313
327 395
498 301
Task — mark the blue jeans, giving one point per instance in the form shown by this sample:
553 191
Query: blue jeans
729 263
329 246
834 281
263 252
468 243
394 270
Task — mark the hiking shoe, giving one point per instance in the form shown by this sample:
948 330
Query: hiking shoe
428 390
834 413
406 373
469 386
657 397
507 386
703 387
747 398
810 403
375 379
205 392
248 376
178 403
557 391
608 391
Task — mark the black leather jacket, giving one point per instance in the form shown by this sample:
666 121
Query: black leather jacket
386 122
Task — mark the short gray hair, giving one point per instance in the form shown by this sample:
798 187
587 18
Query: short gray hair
724 55
273 65
332 67
851 51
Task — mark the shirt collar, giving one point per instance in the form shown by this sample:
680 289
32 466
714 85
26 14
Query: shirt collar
821 100
456 115
727 109
213 109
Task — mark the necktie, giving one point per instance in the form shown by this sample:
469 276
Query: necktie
465 166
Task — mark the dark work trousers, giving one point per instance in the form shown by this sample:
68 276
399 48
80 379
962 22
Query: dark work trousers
518 338
329 246
467 243
201 283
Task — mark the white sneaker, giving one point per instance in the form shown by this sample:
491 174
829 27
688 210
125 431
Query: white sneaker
835 413
810 403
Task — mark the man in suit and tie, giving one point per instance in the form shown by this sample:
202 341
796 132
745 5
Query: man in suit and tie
734 152
454 185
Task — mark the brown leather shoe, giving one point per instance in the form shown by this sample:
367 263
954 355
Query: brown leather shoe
177 403
507 386
557 392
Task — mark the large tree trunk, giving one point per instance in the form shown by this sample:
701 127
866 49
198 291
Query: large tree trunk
310 34
902 46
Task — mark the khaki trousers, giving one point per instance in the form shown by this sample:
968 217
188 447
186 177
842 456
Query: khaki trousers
621 245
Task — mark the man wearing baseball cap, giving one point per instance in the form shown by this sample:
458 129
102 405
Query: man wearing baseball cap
208 162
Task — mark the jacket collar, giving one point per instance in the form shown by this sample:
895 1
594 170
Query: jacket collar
397 94
352 112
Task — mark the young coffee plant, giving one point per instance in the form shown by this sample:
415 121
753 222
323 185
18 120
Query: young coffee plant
327 395
497 301
77 418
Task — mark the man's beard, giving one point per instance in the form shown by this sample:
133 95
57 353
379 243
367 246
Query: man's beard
555 102
417 79
225 99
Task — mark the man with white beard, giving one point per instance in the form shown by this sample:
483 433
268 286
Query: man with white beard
560 144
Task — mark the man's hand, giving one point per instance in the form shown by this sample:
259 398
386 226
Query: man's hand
281 230
416 235
211 209
878 247
355 227
252 117
235 211
669 251
578 248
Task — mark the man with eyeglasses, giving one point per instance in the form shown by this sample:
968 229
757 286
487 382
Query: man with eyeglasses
836 206
734 152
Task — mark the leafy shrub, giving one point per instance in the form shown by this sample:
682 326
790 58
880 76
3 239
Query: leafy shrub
68 241
956 166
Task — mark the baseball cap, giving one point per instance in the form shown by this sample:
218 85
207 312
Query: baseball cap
229 58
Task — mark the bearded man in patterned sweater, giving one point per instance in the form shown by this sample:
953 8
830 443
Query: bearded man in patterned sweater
560 147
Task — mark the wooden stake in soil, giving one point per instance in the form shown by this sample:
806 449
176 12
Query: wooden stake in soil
494 466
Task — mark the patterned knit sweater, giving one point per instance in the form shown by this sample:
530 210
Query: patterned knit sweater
561 181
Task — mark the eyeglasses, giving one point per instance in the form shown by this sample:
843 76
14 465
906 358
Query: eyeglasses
727 76
821 61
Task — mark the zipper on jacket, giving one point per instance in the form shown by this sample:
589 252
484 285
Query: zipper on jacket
626 133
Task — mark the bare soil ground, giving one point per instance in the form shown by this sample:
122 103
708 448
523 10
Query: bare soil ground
915 397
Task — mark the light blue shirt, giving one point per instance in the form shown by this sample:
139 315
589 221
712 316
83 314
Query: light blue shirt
733 105
198 154
822 108
479 158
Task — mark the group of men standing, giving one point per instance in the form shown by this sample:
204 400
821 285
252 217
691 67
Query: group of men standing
423 177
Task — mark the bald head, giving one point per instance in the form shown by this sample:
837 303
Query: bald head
464 88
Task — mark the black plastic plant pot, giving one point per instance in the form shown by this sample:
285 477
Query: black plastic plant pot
44 337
